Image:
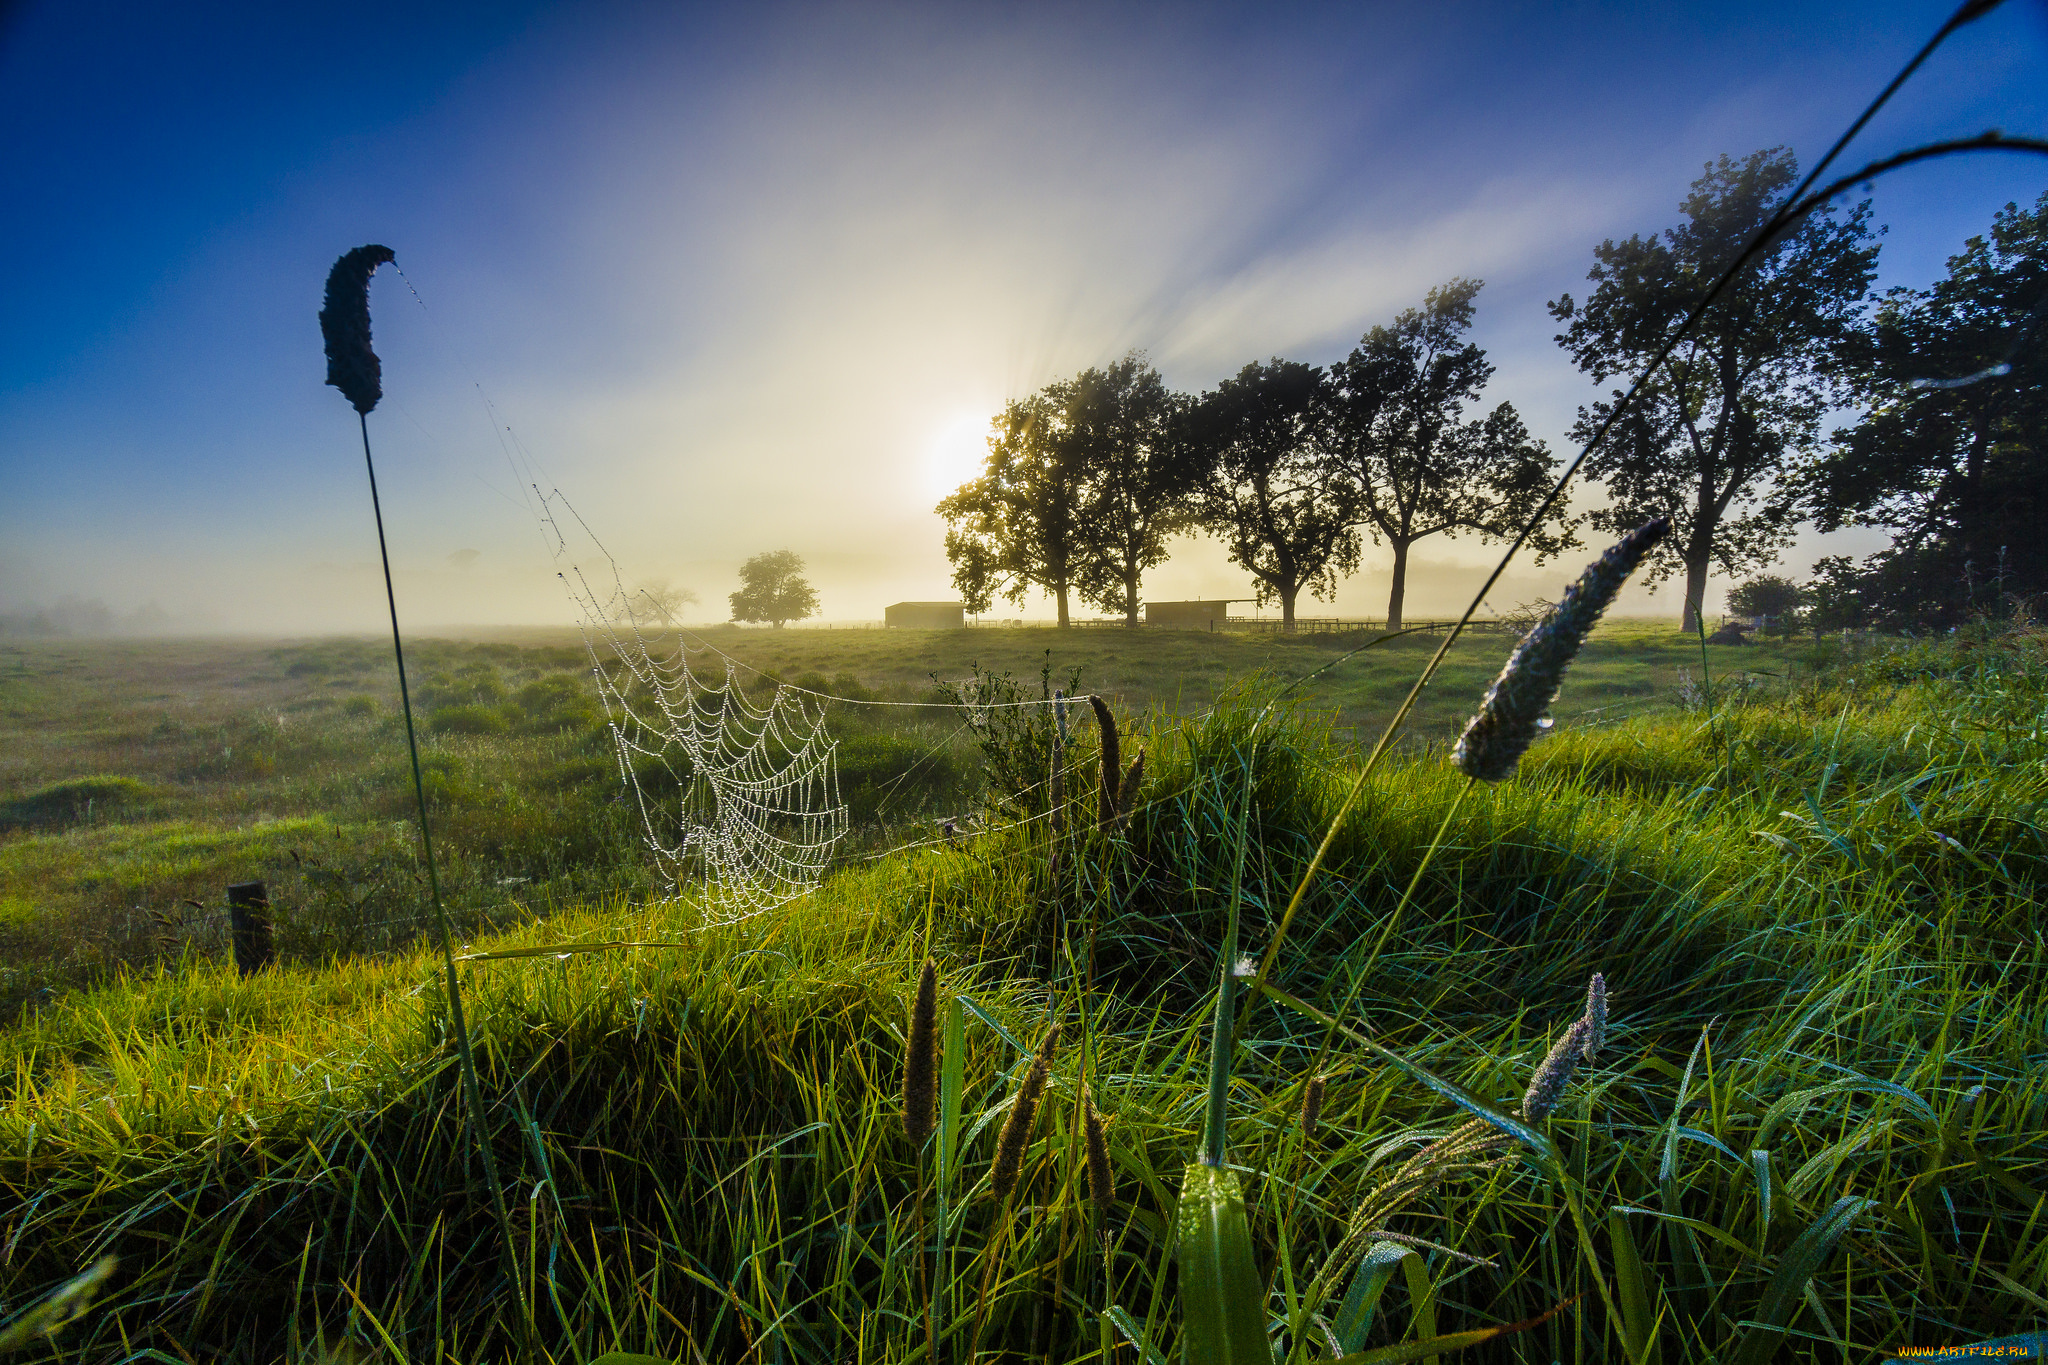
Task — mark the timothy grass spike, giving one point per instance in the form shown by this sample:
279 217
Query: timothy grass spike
352 366
1595 1018
1016 1134
1312 1107
1101 1180
920 1058
1127 794
1112 764
1555 1072
1507 722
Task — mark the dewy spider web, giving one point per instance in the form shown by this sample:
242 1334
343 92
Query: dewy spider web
738 796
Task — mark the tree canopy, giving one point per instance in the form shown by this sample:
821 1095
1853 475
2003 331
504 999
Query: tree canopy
1951 455
1015 528
772 589
1124 430
1271 492
1416 466
1705 439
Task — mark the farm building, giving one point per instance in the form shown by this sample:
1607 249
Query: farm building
1189 615
926 615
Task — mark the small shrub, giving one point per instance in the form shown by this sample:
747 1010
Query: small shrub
467 719
77 798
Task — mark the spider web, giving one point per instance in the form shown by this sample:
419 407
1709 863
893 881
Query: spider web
735 794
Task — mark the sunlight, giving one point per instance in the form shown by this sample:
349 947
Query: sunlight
954 452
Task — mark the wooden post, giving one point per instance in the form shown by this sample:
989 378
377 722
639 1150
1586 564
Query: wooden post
249 927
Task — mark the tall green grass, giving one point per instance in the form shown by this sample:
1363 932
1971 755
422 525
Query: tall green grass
1816 1130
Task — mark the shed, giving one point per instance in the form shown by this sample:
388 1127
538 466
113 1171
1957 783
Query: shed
1190 615
926 615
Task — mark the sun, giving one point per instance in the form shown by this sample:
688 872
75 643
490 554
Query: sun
955 452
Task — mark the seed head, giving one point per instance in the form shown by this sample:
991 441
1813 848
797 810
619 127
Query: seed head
1495 738
1112 764
920 1058
352 366
1595 1018
1127 794
1101 1182
1555 1073
1016 1134
1312 1107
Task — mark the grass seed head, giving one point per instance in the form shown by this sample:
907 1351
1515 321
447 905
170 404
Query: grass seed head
1312 1107
352 366
1595 1018
1127 794
1112 763
1101 1181
920 1058
1555 1073
1016 1134
1507 721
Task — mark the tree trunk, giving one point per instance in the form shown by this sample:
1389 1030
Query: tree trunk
1131 600
1060 592
1696 561
1400 589
1287 596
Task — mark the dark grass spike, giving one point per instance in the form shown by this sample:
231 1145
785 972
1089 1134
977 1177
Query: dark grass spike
1508 720
920 1059
1112 764
1312 1107
1595 1017
352 366
1101 1180
1016 1134
1127 792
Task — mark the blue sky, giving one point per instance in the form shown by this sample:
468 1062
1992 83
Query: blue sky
752 277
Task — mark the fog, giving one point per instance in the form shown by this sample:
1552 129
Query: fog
734 281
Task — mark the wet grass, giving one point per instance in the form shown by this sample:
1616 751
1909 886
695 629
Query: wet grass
1816 1131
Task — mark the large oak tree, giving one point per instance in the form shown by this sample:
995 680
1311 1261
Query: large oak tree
1272 493
1706 439
1416 464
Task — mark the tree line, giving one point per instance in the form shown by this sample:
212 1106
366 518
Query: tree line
1294 466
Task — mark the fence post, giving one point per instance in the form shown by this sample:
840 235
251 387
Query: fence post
249 927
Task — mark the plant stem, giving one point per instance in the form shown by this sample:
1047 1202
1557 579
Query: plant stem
472 1091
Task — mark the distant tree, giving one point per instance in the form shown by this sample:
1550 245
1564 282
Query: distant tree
1016 527
1957 471
1416 465
658 601
1744 391
1835 596
772 589
1777 599
1272 492
1122 430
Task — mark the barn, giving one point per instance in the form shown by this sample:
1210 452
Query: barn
1189 615
926 615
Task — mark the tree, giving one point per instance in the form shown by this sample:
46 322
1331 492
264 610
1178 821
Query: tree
657 601
1272 492
1417 466
772 589
1748 386
1014 528
1772 597
1123 431
1958 471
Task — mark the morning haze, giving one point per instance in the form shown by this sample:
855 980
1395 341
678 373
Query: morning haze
735 281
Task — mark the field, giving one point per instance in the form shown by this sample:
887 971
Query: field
1815 1131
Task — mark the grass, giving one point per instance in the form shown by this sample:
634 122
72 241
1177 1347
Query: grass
1826 985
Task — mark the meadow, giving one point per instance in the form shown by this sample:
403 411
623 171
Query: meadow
1816 1130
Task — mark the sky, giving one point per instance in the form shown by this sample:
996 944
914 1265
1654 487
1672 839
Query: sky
755 277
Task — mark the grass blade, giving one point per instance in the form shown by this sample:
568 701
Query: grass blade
1222 1300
